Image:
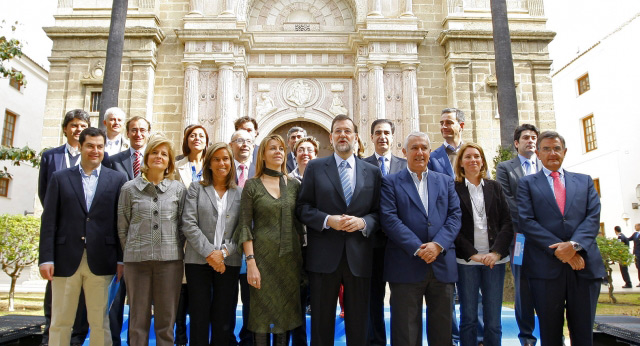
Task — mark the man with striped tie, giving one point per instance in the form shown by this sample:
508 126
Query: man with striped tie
128 162
339 201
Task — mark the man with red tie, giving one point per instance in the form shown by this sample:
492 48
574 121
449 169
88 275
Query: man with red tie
559 214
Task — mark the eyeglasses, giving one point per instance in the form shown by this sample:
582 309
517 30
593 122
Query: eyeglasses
242 141
302 150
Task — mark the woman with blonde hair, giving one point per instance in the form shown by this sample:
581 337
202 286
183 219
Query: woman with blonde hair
482 246
212 262
149 211
271 238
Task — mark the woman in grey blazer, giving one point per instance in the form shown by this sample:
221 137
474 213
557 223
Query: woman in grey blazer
212 262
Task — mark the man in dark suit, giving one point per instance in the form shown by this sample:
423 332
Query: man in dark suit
636 248
338 202
559 214
250 125
242 144
79 246
129 163
382 131
293 135
451 126
420 213
64 156
624 270
508 173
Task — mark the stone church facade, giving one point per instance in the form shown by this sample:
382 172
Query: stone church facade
301 62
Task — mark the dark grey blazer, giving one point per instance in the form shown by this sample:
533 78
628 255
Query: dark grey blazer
508 173
199 219
122 163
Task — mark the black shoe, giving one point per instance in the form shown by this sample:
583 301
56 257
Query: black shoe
638 285
627 286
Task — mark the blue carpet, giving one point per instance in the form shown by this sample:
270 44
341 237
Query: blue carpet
509 327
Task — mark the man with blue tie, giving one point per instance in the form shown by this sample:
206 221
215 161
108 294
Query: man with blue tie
508 173
64 156
78 240
382 131
420 262
338 202
559 214
451 126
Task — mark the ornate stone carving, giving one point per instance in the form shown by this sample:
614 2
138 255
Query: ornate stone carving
299 93
337 106
264 106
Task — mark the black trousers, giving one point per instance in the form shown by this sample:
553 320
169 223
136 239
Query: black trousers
324 295
209 303
80 325
377 329
624 270
246 337
181 337
116 312
576 295
638 266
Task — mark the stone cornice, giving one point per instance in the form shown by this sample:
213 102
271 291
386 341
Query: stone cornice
59 32
185 35
369 35
516 35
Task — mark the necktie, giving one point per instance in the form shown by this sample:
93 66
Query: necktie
346 181
136 164
527 167
242 179
383 169
559 191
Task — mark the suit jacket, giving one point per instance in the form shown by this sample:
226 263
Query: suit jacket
496 208
636 243
183 171
397 164
321 194
439 162
54 160
291 163
543 224
623 238
403 219
508 173
199 219
122 163
68 227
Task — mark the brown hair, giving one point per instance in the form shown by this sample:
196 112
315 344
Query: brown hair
312 140
260 165
154 142
240 121
185 141
458 162
136 118
207 174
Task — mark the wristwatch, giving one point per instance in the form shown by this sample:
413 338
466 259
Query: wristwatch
575 245
224 254
250 257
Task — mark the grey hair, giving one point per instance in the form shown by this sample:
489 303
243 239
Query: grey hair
459 113
296 129
114 111
237 132
416 134
550 135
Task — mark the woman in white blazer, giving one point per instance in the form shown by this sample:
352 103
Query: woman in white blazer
194 145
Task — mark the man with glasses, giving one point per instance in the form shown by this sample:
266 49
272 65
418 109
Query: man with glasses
242 143
128 162
293 135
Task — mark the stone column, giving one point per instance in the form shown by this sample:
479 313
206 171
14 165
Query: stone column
228 8
375 7
191 73
410 99
376 92
226 102
408 9
197 7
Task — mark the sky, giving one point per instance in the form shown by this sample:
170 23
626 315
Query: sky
31 15
579 24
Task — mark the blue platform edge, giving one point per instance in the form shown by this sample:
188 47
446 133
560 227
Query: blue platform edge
509 327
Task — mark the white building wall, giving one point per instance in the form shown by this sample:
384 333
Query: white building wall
28 105
614 101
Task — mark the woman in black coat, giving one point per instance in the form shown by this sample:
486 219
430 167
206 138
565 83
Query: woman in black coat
482 246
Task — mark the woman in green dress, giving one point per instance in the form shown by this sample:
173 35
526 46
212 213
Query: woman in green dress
271 238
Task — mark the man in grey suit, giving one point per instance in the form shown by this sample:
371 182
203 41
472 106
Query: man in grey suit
128 162
293 135
382 131
508 173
